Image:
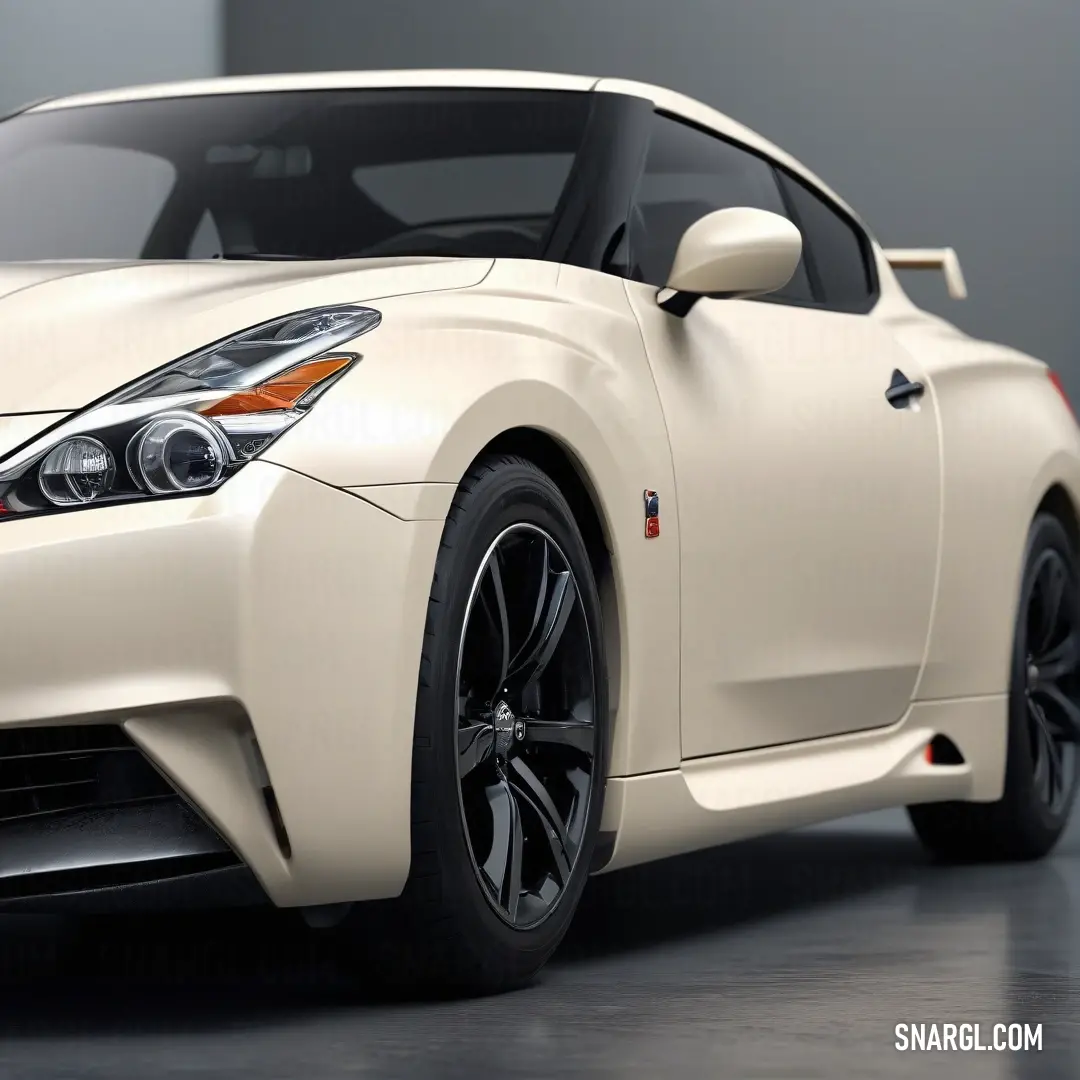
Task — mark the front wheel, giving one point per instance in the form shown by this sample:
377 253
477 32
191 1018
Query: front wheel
509 759
1044 720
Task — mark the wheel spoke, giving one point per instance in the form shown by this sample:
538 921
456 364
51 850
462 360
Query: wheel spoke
541 594
1057 767
475 741
558 604
503 865
498 618
1060 661
578 734
1045 751
1044 773
543 576
1065 714
1051 582
533 792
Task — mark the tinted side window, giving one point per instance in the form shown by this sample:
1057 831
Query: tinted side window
837 247
688 174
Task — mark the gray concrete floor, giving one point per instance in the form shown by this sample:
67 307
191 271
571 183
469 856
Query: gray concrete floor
790 957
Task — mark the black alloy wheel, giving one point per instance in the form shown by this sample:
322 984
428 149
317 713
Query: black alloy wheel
1041 771
510 744
1051 689
527 736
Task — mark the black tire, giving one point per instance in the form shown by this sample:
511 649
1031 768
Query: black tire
1026 823
448 932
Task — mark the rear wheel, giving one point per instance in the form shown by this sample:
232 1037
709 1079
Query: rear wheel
1044 720
509 751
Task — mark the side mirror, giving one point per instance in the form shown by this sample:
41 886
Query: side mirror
732 253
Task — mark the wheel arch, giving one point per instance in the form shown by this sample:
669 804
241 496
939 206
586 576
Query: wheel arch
606 458
1060 504
559 461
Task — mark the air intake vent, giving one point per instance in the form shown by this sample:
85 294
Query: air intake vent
50 770
943 751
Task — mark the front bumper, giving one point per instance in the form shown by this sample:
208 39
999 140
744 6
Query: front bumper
260 646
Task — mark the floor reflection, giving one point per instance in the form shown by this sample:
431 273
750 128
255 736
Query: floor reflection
793 956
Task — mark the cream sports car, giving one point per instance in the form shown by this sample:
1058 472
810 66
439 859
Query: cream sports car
434 487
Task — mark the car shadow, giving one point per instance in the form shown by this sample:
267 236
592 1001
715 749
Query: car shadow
250 970
709 892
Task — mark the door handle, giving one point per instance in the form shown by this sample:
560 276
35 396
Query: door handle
902 390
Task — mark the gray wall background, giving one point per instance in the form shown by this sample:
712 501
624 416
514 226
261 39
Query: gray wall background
53 47
941 121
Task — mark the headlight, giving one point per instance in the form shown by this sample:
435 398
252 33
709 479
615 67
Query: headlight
189 426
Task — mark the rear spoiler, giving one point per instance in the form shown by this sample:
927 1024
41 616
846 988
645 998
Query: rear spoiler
943 259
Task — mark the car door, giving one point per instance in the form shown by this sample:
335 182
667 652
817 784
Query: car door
808 504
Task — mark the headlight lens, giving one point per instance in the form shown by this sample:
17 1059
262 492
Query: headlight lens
187 427
76 471
178 453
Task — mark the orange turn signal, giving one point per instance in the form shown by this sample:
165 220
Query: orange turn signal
281 392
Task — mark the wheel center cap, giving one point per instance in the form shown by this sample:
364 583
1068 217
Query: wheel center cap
507 728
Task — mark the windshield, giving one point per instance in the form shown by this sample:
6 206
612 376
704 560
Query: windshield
304 174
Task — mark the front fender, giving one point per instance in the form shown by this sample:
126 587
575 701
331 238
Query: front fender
446 374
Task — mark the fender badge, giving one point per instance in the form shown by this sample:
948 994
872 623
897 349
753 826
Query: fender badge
652 515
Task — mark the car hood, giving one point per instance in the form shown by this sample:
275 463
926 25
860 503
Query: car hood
73 332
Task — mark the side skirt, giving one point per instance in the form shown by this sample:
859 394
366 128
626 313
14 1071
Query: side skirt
717 800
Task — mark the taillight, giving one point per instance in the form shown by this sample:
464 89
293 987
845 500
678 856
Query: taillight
1056 380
